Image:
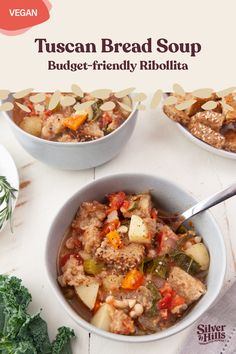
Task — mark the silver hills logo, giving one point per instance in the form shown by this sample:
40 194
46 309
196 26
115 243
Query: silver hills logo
210 333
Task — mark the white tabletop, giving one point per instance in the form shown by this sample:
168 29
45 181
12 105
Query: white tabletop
156 147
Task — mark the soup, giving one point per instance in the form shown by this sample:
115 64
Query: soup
123 267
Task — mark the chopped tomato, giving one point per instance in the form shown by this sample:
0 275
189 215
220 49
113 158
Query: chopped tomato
66 257
165 289
111 226
166 240
133 280
30 105
170 299
114 239
177 300
106 119
125 205
116 199
48 113
154 213
165 302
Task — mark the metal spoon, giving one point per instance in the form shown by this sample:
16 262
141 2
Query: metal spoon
204 205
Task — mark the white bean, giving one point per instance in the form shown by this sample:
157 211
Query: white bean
138 309
197 239
131 303
122 229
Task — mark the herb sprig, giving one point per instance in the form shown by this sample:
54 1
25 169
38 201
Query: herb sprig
7 195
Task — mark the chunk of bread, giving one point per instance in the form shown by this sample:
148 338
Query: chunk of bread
186 285
206 134
230 115
176 115
212 119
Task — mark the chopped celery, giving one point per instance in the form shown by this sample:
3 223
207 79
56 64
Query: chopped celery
91 266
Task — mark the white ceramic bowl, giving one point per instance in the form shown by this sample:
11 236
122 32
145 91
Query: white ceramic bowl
76 156
167 196
205 146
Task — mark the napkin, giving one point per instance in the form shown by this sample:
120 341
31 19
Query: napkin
215 331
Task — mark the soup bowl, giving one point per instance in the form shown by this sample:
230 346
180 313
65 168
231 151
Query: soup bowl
167 196
76 155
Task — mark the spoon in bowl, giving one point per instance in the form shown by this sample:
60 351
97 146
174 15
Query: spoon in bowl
205 204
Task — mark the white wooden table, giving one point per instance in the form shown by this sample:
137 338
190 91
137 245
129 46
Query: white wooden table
156 147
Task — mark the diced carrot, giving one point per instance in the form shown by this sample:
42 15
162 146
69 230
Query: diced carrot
114 239
75 122
133 280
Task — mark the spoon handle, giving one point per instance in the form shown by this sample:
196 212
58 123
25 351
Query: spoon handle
210 201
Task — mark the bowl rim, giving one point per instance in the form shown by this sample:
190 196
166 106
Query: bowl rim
219 152
58 143
179 326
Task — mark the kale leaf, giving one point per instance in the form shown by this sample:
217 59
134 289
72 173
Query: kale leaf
22 333
61 344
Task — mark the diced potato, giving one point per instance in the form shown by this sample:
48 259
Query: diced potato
199 254
88 294
112 282
138 231
32 125
102 318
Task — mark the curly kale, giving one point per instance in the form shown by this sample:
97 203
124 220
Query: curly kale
22 333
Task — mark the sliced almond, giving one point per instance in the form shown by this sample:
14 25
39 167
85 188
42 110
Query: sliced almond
178 90
209 105
185 104
23 107
7 106
202 93
226 92
83 106
38 98
156 99
77 90
141 107
139 97
123 93
125 107
23 93
67 101
54 100
170 100
107 106
102 94
226 106
4 94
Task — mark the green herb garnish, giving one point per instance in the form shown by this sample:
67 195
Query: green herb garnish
7 194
